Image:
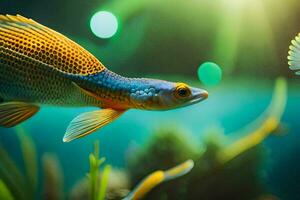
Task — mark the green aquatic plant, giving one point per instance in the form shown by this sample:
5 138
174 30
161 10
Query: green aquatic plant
17 185
94 186
5 194
11 175
225 170
97 188
104 182
158 177
53 177
21 186
262 127
116 186
30 160
164 144
167 148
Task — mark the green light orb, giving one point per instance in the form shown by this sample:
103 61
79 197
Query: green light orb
104 24
210 73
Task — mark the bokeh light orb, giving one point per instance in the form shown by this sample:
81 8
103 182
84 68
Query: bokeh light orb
104 24
210 73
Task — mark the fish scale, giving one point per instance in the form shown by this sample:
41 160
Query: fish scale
25 79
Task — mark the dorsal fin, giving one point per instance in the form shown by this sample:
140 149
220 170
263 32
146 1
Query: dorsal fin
41 43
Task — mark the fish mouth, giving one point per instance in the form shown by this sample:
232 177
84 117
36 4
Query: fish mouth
198 95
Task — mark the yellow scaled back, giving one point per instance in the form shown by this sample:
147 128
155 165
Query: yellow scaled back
34 40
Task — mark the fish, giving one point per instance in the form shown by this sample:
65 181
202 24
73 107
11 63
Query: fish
157 177
39 66
294 55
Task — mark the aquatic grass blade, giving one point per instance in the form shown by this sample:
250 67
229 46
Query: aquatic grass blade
30 160
93 175
104 182
5 194
157 177
265 124
11 175
275 108
53 177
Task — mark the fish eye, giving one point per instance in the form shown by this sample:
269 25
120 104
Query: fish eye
182 91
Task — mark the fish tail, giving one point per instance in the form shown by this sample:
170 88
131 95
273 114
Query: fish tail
294 55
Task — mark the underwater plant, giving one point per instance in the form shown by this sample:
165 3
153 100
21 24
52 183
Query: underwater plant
19 185
116 186
97 188
225 170
262 127
98 185
164 144
53 178
157 177
5 194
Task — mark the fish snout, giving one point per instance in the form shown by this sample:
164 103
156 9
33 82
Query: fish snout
198 95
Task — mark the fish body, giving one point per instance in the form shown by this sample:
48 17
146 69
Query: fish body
41 66
34 82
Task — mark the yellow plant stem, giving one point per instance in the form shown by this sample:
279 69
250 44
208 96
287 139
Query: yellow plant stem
249 141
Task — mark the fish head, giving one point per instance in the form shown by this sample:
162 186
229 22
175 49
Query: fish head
165 95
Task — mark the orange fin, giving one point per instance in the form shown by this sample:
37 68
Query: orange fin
13 113
89 122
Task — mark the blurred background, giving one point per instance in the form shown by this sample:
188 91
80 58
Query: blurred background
234 49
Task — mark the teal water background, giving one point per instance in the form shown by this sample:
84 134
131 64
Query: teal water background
230 106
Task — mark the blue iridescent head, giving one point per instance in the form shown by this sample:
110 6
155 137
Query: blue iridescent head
151 94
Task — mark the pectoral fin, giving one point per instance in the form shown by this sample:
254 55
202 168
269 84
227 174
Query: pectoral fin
13 113
89 122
